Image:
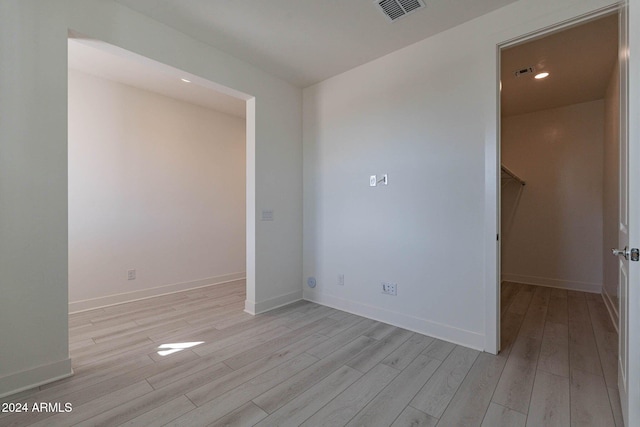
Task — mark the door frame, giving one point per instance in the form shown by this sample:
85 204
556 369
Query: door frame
633 155
492 341
250 148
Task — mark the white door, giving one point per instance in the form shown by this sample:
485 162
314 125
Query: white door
629 222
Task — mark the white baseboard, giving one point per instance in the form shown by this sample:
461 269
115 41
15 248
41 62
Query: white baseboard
611 308
250 307
593 288
108 300
26 380
259 307
422 326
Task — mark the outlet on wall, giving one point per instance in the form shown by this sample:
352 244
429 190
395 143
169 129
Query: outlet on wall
131 275
341 279
389 288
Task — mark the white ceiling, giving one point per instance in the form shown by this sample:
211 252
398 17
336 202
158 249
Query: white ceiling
307 41
112 63
580 61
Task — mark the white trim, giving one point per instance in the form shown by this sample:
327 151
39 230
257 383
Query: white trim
633 291
31 378
611 308
422 326
90 304
561 25
277 302
569 285
541 26
251 237
250 307
260 307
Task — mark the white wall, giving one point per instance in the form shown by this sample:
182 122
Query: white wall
456 72
33 194
552 234
610 192
425 115
33 170
156 185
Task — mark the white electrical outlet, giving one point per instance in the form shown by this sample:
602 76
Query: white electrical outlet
389 288
373 181
341 279
131 275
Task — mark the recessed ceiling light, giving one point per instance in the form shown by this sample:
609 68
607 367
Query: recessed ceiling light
186 81
541 75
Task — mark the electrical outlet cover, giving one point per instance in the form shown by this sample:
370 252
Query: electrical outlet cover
389 288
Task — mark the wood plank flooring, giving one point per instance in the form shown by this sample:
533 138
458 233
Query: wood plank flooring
195 358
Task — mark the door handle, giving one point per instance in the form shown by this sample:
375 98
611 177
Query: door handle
621 252
633 253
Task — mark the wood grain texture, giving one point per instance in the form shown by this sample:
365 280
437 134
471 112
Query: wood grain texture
373 355
306 404
316 366
342 339
589 400
508 293
436 394
162 414
533 323
616 408
407 352
278 396
215 388
509 327
412 417
439 349
516 382
247 415
347 404
234 397
386 406
470 403
554 353
583 351
557 311
500 416
550 401
520 303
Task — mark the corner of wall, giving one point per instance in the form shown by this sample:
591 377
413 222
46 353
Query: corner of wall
402 320
259 307
34 377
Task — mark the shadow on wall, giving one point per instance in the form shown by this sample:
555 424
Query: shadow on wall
511 193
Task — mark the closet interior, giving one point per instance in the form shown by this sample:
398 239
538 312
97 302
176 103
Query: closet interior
559 173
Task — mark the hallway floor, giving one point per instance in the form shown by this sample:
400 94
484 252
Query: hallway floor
195 358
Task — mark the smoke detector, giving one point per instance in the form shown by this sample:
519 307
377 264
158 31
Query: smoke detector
396 9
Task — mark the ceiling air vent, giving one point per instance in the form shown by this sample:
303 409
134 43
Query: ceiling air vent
523 71
394 9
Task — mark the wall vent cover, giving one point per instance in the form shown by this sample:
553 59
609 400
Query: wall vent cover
525 70
395 9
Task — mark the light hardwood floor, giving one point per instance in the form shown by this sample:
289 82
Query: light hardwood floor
310 365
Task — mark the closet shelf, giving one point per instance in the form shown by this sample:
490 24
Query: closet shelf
507 174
